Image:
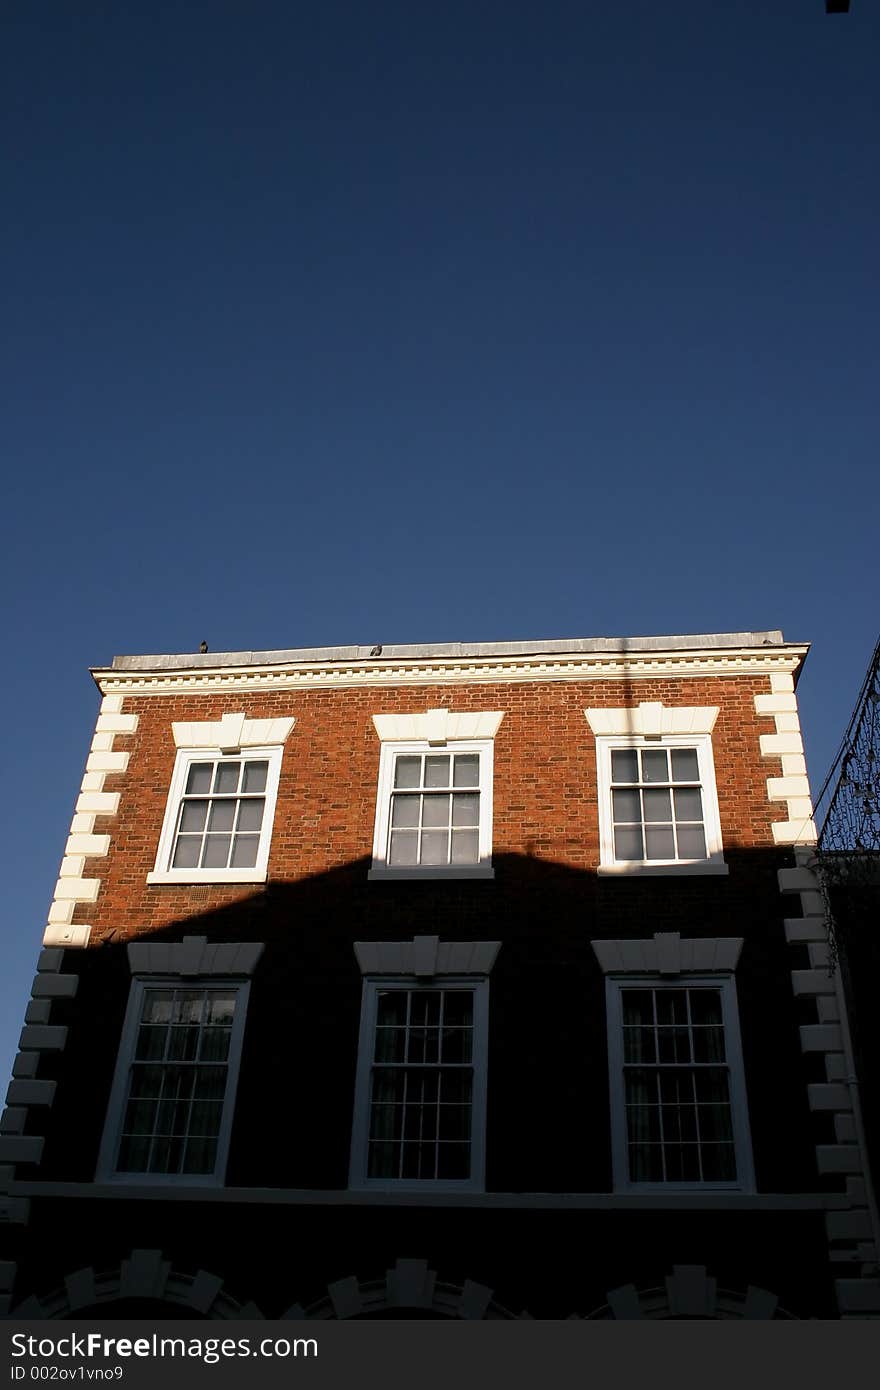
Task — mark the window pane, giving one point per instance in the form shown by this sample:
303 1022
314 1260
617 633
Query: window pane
192 815
458 1007
146 1082
466 771
453 1161
215 1044
715 1124
199 780
134 1154
627 807
255 775
628 843
624 765
689 804
659 844
390 1045
705 1006
455 1122
244 851
204 1118
404 847
182 1046
435 810
407 771
250 814
685 765
189 1006
719 1163
216 852
465 846
658 806
151 1044
391 1007
210 1083
140 1117
437 770
646 1162
638 1045
200 1156
222 815
638 1006
425 1008
186 852
405 810
382 1160
456 1043
157 1006
672 1006
226 781
655 767
691 842
435 847
466 809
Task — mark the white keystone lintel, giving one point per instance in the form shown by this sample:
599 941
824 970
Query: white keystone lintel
232 732
437 726
653 719
667 954
426 956
194 955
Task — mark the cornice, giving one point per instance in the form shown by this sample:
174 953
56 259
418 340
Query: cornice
485 670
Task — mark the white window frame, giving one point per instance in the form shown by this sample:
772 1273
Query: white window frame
390 750
725 984
702 743
358 1179
112 1136
162 872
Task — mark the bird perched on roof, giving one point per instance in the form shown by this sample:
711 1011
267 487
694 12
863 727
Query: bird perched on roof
377 651
203 647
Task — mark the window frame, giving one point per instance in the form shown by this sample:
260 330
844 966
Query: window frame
702 743
742 1146
390 750
162 871
358 1169
119 1092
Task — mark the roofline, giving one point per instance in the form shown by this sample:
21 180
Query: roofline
455 662
192 661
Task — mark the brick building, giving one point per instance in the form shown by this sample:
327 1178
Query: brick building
470 980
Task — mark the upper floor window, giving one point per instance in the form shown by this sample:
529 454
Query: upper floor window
677 1090
434 802
171 1105
658 806
218 821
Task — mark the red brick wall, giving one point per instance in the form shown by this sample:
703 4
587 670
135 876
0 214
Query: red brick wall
545 798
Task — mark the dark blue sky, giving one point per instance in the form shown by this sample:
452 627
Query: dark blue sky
388 323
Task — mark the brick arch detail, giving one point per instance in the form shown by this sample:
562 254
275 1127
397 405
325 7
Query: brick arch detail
689 1292
143 1274
409 1284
